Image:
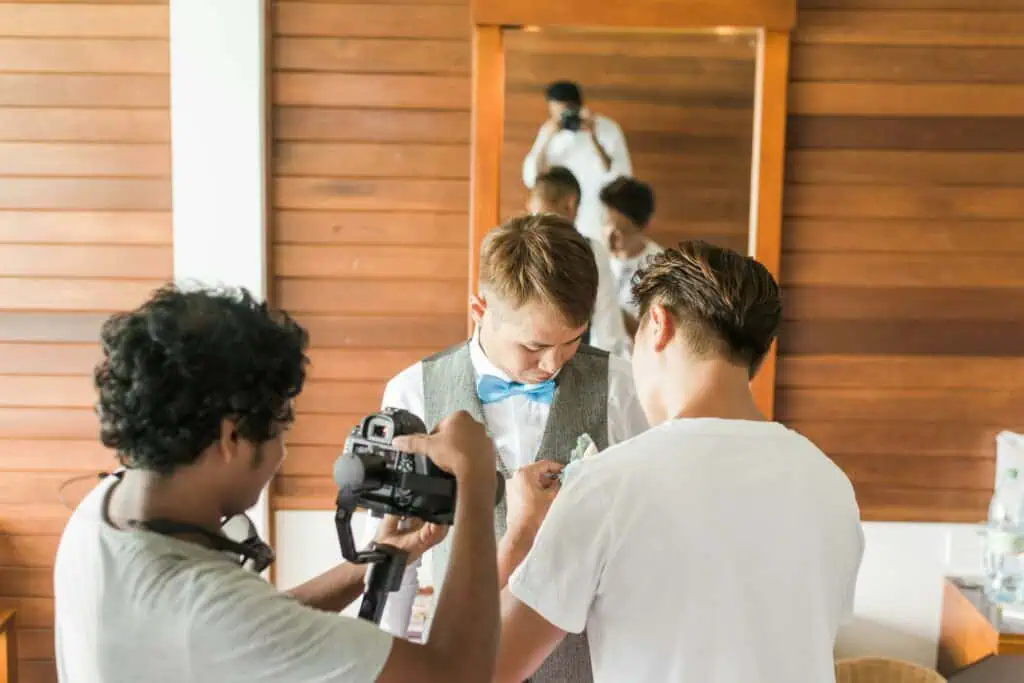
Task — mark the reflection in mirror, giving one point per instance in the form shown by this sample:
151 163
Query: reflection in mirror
673 110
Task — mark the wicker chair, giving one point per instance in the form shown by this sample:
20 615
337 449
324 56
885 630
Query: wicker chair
880 670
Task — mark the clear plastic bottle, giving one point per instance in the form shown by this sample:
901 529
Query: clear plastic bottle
1004 541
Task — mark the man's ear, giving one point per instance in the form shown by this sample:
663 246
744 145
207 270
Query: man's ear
477 307
229 441
662 326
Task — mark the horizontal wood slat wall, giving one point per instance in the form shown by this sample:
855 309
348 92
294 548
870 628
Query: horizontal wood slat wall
902 246
85 230
684 102
902 351
370 198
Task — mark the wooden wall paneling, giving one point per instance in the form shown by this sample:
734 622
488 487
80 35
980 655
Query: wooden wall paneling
901 350
369 205
85 231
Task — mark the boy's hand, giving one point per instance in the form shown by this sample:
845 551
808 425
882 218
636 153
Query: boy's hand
530 493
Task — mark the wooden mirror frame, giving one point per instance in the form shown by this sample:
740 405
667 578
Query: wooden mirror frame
772 19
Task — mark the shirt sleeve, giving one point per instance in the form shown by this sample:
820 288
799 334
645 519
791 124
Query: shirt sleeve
243 629
404 391
532 161
626 417
561 575
618 151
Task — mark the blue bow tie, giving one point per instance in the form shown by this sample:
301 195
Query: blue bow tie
492 389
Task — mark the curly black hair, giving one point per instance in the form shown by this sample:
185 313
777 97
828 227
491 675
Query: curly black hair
177 366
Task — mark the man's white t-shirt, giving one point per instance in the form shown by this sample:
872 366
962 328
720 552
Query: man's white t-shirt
135 606
701 551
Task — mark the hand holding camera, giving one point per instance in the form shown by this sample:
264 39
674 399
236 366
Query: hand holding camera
459 445
413 536
391 467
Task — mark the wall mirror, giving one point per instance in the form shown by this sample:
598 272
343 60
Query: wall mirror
674 109
697 88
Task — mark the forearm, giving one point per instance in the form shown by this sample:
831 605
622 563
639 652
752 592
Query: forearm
536 161
465 628
333 590
512 550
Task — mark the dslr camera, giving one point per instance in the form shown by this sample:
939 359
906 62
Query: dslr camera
388 481
571 119
372 474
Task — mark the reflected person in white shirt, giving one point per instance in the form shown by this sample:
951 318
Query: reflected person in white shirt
557 191
628 206
526 376
592 146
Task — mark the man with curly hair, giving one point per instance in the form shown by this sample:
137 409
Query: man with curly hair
195 395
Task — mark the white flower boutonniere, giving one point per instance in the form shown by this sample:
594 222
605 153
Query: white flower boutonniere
585 447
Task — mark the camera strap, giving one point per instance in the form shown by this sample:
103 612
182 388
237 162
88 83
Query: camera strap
251 552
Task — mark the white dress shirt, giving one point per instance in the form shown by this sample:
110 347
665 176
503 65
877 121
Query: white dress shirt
517 425
607 330
575 151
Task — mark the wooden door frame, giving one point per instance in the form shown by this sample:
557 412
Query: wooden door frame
772 19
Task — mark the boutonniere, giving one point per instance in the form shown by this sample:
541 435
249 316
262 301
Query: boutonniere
585 447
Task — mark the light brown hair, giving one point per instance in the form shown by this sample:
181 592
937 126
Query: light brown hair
727 304
540 258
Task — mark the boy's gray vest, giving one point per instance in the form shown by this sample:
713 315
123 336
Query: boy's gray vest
580 406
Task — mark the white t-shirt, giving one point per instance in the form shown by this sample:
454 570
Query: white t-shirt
702 551
624 269
133 606
607 331
575 150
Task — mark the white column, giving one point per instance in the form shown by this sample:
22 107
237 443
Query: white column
218 149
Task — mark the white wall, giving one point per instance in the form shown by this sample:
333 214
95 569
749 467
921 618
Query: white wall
899 591
218 138
218 147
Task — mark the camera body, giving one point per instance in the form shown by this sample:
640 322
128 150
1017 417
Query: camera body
393 481
571 119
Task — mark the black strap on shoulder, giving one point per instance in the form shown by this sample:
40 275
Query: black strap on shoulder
252 551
